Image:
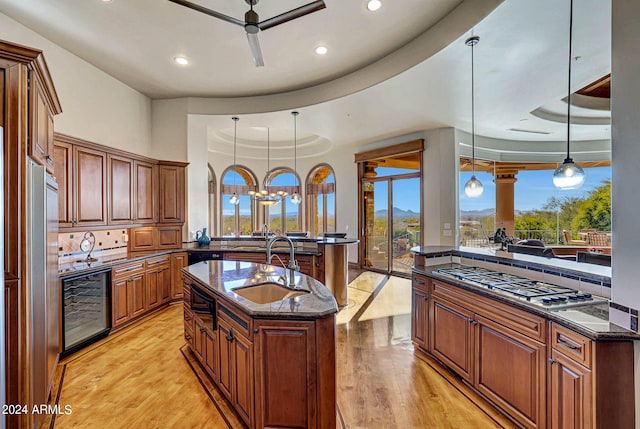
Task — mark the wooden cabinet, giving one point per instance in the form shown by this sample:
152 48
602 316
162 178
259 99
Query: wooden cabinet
171 187
178 262
275 373
63 160
420 312
128 286
121 186
41 136
158 277
487 347
144 195
305 262
589 381
89 187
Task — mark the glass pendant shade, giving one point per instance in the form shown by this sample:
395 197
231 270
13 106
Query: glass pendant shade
296 198
568 176
473 188
235 199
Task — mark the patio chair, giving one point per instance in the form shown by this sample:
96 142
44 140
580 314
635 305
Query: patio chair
570 241
598 239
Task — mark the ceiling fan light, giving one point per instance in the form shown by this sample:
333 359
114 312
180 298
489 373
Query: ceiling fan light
473 188
569 175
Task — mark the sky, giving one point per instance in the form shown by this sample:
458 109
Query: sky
531 191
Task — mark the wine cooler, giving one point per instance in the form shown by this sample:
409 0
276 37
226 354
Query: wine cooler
86 309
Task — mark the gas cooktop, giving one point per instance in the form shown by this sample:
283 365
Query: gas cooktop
539 293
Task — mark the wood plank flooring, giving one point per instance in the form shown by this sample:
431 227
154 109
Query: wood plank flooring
139 377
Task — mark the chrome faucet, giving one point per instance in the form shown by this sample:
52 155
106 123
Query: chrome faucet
265 231
292 261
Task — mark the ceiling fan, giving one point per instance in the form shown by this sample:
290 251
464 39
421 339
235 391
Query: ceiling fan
252 24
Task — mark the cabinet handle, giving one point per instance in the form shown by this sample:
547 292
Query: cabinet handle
48 158
551 361
256 330
201 329
188 337
230 336
567 345
426 298
473 322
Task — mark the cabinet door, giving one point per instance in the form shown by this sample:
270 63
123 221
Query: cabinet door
226 357
90 186
178 262
138 298
153 288
164 284
571 394
120 302
120 190
41 122
420 318
452 337
510 370
283 377
198 338
211 353
145 201
63 159
171 193
242 370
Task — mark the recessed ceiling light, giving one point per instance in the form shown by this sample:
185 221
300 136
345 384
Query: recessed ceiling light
374 5
181 60
106 1
321 50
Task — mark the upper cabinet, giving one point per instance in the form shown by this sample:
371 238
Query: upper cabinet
171 177
101 186
41 144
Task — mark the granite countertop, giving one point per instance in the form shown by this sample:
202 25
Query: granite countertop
516 258
222 277
81 267
591 321
318 240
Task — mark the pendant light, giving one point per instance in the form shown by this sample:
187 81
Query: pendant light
569 175
265 197
235 199
295 198
473 188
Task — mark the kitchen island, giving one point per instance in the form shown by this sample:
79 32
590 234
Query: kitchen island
269 348
528 333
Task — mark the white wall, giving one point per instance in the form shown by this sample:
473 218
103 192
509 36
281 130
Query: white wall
625 153
96 107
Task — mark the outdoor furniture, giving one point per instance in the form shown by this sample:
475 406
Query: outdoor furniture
598 239
570 241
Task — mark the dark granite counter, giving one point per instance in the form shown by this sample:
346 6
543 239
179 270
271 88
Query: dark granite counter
591 321
222 277
81 267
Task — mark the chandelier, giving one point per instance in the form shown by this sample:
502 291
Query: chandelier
263 196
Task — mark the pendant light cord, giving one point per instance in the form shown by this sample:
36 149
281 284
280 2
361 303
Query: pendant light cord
235 134
569 79
473 117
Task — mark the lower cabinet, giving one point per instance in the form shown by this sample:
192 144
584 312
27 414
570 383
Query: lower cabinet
539 373
158 276
307 263
275 373
178 262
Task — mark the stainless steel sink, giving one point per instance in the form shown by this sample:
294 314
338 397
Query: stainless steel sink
266 293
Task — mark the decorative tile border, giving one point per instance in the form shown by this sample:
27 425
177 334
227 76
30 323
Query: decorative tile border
623 316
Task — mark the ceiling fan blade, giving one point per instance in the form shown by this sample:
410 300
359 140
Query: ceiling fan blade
292 14
254 44
209 12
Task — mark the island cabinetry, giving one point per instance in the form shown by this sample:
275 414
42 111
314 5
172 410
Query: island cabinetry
158 278
235 337
189 334
589 381
128 292
420 311
487 344
307 263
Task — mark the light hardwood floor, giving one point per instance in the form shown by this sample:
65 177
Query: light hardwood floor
138 378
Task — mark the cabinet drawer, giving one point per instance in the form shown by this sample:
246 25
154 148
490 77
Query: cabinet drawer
571 344
239 321
508 316
127 269
153 263
420 282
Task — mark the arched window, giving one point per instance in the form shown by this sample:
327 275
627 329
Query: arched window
321 200
211 191
237 219
284 216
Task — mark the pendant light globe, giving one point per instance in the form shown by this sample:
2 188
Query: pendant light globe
473 188
569 175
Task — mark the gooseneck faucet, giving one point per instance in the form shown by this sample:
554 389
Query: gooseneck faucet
292 261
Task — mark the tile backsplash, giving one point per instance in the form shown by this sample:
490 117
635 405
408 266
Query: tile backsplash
108 239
